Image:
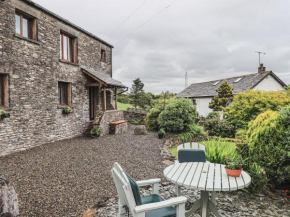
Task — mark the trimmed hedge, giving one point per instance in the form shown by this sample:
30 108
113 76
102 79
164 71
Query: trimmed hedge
219 128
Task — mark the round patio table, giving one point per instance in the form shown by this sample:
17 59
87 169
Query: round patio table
207 177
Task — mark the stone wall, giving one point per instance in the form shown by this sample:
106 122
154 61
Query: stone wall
133 114
34 70
110 116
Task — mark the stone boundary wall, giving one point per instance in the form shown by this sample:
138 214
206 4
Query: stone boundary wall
133 114
110 116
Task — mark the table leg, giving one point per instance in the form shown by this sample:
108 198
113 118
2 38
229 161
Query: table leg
177 190
204 203
213 209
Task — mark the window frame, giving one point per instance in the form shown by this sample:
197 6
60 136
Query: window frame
71 45
68 93
103 53
32 25
5 90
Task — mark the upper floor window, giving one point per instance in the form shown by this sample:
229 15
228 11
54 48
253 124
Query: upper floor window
103 55
67 48
26 26
64 93
3 90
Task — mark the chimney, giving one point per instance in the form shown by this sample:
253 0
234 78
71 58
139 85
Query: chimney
261 68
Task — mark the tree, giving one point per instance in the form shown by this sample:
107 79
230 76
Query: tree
137 91
223 99
248 105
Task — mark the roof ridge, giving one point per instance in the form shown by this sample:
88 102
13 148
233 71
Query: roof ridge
229 78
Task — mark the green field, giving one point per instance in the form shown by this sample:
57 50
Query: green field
124 107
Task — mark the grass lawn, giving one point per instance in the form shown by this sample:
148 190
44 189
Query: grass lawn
124 107
216 151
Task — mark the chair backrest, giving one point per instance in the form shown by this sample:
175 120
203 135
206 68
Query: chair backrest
191 155
190 145
123 187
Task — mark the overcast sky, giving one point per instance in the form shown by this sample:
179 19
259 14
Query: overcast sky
209 39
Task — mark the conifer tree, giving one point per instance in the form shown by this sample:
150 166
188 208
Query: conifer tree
224 97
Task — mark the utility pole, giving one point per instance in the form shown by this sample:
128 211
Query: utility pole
259 52
186 80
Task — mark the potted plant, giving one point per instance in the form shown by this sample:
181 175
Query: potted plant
234 167
96 132
161 133
67 110
4 114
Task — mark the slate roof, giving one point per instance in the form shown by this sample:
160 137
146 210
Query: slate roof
105 78
207 89
31 3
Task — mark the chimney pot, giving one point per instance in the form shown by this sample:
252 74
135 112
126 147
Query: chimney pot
261 68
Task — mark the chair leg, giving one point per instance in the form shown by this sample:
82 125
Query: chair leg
122 210
155 188
180 210
177 190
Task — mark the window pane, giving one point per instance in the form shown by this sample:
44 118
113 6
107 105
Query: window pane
59 91
1 90
64 94
65 47
60 46
17 24
25 28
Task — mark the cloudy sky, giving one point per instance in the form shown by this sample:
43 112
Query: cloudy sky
209 39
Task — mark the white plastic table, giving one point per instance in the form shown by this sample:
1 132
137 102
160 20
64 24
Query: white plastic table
207 177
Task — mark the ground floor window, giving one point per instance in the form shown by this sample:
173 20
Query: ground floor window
3 90
64 93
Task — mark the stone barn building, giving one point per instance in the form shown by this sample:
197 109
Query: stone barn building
47 64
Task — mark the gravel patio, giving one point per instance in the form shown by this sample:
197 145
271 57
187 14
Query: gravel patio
66 178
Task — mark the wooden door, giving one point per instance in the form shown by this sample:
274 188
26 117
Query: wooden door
92 95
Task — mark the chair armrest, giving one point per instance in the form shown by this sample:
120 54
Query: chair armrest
152 206
148 182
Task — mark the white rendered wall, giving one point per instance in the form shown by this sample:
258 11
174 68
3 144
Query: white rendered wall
269 84
202 106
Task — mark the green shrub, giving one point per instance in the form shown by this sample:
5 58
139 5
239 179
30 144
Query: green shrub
218 151
284 117
248 105
178 116
213 115
194 131
137 122
241 134
152 117
96 132
265 147
67 110
161 132
217 127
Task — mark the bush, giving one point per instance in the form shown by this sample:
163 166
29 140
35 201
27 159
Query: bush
248 105
220 128
218 151
152 116
241 134
96 132
265 147
178 116
193 132
213 115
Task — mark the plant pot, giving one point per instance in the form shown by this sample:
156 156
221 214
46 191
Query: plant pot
65 112
6 115
233 173
160 136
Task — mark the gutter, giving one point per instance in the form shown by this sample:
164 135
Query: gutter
33 4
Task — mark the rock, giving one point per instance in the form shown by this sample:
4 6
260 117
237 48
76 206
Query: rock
8 199
140 130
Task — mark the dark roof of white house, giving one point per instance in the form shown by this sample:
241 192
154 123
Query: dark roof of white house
103 77
65 21
239 84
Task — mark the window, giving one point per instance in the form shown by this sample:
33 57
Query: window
216 83
103 55
3 90
238 79
64 93
194 102
25 26
67 48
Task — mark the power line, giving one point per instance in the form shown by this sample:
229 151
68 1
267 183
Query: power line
146 22
127 18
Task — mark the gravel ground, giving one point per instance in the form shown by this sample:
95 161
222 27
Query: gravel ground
66 178
230 204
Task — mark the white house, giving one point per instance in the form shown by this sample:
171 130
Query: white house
202 93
